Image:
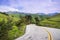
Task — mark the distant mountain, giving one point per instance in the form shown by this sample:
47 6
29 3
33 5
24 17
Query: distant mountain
13 12
43 14
52 14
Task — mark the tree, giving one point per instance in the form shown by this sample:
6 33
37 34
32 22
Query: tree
28 18
4 28
37 20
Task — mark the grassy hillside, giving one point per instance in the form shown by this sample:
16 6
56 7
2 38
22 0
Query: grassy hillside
55 18
53 21
10 27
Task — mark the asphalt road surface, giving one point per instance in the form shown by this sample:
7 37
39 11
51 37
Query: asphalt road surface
34 32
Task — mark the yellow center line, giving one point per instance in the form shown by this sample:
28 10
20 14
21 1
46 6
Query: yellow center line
49 34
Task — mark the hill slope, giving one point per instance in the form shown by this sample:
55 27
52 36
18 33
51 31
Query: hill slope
55 17
53 21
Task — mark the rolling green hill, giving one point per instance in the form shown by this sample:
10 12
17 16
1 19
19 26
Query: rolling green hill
55 18
53 21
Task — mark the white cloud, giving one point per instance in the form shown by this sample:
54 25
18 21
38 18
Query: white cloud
7 8
32 6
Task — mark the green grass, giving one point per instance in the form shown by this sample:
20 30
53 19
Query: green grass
55 17
15 32
53 21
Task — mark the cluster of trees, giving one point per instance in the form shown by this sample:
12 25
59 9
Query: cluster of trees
11 27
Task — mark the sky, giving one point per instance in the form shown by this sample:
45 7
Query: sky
30 6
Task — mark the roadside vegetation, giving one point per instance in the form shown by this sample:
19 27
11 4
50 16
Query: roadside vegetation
13 25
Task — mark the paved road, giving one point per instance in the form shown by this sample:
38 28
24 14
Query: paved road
34 32
55 33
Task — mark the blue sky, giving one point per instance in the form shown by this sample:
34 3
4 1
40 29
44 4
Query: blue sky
30 6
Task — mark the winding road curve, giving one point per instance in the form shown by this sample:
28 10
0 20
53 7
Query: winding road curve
34 32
